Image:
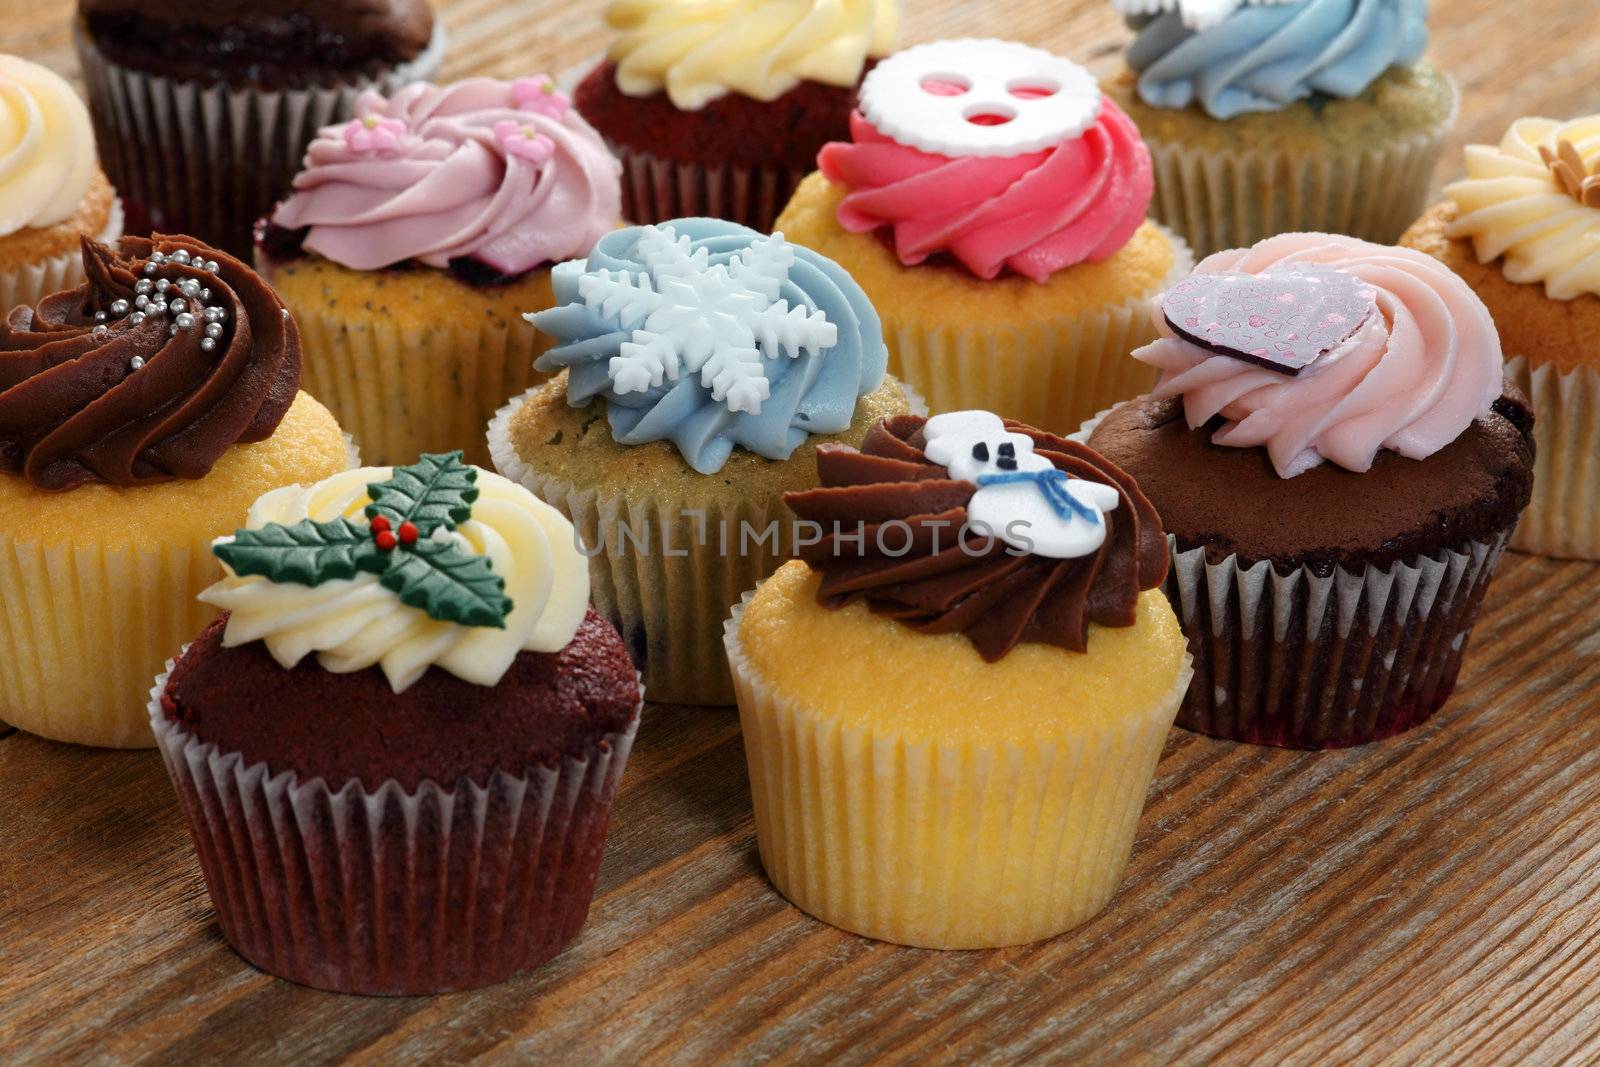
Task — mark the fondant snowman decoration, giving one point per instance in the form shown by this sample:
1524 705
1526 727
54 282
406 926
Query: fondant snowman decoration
1022 499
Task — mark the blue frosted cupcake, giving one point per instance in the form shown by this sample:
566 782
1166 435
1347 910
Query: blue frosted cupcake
700 365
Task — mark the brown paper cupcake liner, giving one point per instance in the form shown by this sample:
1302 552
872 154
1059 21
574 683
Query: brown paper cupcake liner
1302 660
394 891
659 190
1563 518
29 283
208 160
1219 199
667 587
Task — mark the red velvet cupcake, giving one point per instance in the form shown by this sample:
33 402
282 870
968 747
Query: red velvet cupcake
423 806
721 113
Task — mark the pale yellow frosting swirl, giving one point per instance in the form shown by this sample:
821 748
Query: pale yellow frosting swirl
47 155
699 50
355 623
1511 204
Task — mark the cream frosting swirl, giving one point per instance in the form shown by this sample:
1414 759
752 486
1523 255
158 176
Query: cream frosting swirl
704 49
1512 204
47 155
356 623
1411 379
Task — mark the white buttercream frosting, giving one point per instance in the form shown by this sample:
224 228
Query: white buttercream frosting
47 158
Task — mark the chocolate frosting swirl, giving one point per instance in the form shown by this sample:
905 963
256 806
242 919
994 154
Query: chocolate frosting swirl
73 408
981 588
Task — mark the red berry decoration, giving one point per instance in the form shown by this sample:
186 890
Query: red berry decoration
386 540
379 523
408 533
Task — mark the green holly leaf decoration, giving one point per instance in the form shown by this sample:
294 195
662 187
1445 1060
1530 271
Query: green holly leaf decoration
437 490
307 553
449 583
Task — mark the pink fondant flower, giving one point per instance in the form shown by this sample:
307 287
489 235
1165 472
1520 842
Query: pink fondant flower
373 134
540 95
524 141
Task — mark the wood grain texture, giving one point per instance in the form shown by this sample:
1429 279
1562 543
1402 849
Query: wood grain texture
1428 899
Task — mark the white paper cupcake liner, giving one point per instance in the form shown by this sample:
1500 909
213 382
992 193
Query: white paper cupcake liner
659 190
1302 660
32 282
943 846
669 608
393 891
1219 198
1563 518
209 160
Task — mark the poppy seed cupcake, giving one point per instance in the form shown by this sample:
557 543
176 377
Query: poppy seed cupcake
397 749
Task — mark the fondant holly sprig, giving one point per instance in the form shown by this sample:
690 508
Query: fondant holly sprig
397 543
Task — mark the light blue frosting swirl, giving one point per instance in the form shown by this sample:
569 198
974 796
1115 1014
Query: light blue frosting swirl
812 393
1265 57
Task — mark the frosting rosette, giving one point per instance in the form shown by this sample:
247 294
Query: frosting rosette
712 336
170 353
47 158
909 525
700 51
1264 56
438 564
1534 199
1265 338
505 173
996 154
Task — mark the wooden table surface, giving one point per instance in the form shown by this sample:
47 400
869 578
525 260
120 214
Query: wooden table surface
1434 898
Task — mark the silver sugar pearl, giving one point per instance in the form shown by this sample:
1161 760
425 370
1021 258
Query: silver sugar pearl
156 307
212 265
157 257
189 287
213 329
149 268
140 301
172 331
163 284
184 321
215 314
180 256
99 316
208 345
144 285
136 318
178 305
205 294
136 362
100 331
119 307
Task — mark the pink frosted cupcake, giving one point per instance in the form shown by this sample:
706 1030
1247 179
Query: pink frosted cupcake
416 237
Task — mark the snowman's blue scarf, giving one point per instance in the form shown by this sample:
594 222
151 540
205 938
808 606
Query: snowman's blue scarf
1052 484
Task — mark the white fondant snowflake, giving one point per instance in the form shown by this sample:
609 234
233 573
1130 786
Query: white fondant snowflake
716 321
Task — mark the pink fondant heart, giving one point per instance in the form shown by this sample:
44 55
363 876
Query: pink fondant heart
1282 319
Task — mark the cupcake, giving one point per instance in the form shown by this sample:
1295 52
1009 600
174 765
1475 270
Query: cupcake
953 707
719 109
1339 462
700 365
202 111
1270 116
1522 229
52 192
416 235
140 415
991 202
397 749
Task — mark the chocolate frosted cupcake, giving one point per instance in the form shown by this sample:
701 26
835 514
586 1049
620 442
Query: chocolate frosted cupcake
397 750
1339 463
719 109
417 235
952 715
140 415
203 110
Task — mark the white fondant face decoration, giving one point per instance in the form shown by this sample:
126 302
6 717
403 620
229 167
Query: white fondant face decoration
979 98
1022 499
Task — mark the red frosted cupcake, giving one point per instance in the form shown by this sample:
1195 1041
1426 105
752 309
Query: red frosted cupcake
422 805
720 110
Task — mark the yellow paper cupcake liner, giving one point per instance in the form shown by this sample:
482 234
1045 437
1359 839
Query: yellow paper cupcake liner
31 282
950 847
1563 518
1051 374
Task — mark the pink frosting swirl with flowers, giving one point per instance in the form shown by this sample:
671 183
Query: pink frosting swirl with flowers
1411 379
1035 213
506 173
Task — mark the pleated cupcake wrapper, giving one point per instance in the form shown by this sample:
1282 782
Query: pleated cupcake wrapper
394 891
209 160
659 190
943 846
405 390
31 282
87 625
1302 660
1219 199
1051 375
669 608
1563 518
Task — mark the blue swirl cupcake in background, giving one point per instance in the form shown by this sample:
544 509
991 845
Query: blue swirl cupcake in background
700 365
1271 116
